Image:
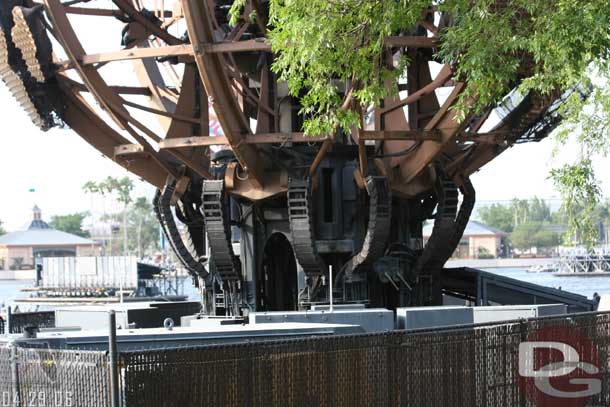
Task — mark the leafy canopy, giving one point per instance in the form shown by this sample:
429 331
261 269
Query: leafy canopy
330 52
518 212
71 223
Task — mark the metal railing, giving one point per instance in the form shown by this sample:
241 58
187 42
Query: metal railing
17 322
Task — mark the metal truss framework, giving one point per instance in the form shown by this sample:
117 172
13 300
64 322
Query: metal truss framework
407 142
431 129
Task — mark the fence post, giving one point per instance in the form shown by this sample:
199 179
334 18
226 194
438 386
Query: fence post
113 360
523 331
15 375
9 313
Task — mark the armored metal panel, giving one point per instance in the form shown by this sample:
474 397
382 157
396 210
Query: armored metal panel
371 320
433 317
511 312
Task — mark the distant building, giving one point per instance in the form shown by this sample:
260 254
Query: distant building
479 240
18 250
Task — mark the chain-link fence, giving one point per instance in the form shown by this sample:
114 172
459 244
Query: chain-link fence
474 366
58 378
466 366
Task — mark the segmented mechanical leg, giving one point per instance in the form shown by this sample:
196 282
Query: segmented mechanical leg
379 224
214 206
162 205
302 229
449 226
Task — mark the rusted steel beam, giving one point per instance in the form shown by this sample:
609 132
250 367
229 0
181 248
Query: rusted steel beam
161 112
443 76
88 125
262 45
189 142
494 137
415 135
218 87
269 138
98 87
95 12
128 9
122 90
128 149
446 121
190 103
320 156
237 46
75 51
138 53
100 12
362 158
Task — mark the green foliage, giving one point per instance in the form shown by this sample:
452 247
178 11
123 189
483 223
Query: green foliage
142 227
483 253
533 234
581 195
2 230
323 46
122 187
507 217
72 223
499 216
493 45
331 53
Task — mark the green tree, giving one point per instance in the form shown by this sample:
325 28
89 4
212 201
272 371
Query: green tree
121 189
484 253
2 230
331 53
72 223
142 227
538 210
533 235
520 211
499 216
522 237
545 238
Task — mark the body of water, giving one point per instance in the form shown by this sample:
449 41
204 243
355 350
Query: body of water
11 290
587 286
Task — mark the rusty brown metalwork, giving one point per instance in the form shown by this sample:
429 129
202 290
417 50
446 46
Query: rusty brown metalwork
217 115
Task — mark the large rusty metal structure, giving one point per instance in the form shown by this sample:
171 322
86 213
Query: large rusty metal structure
206 121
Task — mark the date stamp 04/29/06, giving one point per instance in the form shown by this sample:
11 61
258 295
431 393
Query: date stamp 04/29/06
37 399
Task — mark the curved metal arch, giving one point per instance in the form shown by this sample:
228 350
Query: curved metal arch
215 78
